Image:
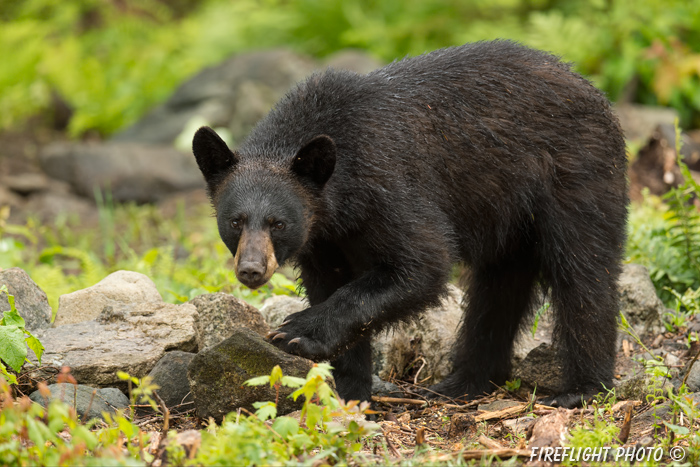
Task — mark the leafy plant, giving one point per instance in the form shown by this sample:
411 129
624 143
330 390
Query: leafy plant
666 237
15 340
314 439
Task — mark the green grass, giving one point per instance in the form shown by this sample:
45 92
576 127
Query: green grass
182 254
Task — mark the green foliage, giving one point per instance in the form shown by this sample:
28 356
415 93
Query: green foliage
114 60
316 440
15 340
666 237
32 435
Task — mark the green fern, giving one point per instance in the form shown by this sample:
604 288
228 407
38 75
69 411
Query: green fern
685 231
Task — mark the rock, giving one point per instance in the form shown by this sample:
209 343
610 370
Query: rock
495 406
671 360
87 405
693 381
353 60
519 425
276 308
118 289
132 342
170 373
46 205
384 388
218 314
638 300
31 302
26 183
526 342
430 336
218 95
635 386
639 121
217 375
251 103
543 369
10 198
129 171
655 414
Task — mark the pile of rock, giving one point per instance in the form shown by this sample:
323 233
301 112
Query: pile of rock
201 352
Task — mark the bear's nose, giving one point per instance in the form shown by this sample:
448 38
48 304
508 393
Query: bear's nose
251 272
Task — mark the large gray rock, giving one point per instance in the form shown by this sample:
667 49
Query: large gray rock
431 336
218 314
47 205
129 339
638 300
276 308
88 402
31 302
129 171
217 375
119 289
241 89
170 374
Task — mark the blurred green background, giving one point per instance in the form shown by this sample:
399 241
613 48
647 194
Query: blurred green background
111 60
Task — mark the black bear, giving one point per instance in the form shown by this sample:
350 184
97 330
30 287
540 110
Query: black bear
491 154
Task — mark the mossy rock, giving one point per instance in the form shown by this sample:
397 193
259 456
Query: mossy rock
217 375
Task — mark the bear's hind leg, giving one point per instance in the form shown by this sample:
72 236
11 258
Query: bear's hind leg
499 297
585 332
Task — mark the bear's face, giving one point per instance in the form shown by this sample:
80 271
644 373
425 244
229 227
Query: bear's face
264 206
263 220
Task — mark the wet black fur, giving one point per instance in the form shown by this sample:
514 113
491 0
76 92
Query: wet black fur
490 154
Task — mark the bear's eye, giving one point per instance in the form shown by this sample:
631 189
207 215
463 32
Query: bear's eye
279 225
236 224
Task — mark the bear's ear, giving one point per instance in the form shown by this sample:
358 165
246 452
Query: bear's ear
315 161
214 158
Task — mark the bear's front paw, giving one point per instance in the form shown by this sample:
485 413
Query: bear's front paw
300 334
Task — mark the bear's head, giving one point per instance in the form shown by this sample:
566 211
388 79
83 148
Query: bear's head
264 209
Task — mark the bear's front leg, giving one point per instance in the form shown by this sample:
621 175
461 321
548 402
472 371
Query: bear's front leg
355 310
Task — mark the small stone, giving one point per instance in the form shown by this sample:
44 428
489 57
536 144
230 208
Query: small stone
31 302
495 406
384 388
638 300
542 368
693 381
519 425
89 402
